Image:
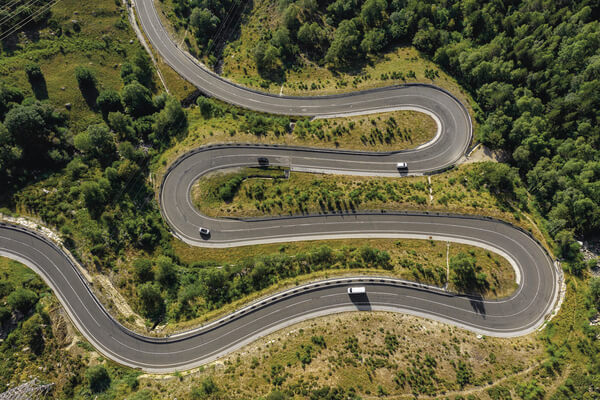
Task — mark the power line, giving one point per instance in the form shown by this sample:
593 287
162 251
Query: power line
27 20
223 24
218 31
10 5
16 10
222 40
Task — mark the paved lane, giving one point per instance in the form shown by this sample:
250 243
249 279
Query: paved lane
215 86
518 314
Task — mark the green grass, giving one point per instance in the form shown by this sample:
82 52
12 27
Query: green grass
102 45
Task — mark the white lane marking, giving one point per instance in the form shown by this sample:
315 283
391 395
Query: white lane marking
427 314
335 294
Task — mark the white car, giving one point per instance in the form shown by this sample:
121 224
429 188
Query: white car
204 231
402 165
357 290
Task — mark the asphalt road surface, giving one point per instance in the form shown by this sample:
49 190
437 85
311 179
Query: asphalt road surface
215 86
518 314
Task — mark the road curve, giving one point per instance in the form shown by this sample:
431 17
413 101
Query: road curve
521 313
215 86
518 314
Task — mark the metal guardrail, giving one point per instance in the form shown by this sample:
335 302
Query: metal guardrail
251 307
254 306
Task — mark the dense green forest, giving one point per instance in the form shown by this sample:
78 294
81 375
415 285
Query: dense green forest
533 68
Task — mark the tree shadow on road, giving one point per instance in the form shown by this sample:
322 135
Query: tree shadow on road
478 304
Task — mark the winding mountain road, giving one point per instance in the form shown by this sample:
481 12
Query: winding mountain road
521 313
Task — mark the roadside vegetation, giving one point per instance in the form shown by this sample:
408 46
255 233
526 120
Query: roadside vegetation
256 49
185 291
83 126
398 356
490 189
368 355
38 340
211 121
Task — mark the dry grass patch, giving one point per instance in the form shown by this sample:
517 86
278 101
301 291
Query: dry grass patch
365 353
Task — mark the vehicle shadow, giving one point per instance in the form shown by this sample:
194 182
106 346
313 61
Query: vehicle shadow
361 301
205 236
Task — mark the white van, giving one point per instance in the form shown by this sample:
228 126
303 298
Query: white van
357 290
402 165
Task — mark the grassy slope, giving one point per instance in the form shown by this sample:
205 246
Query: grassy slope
274 361
450 193
548 358
396 130
102 45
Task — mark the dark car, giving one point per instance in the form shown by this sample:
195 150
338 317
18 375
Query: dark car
263 161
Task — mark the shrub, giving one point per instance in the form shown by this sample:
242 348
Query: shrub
109 101
98 378
530 390
466 273
230 188
208 108
151 302
5 288
137 99
33 333
85 78
276 395
206 388
167 272
22 300
464 374
34 73
5 315
143 270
